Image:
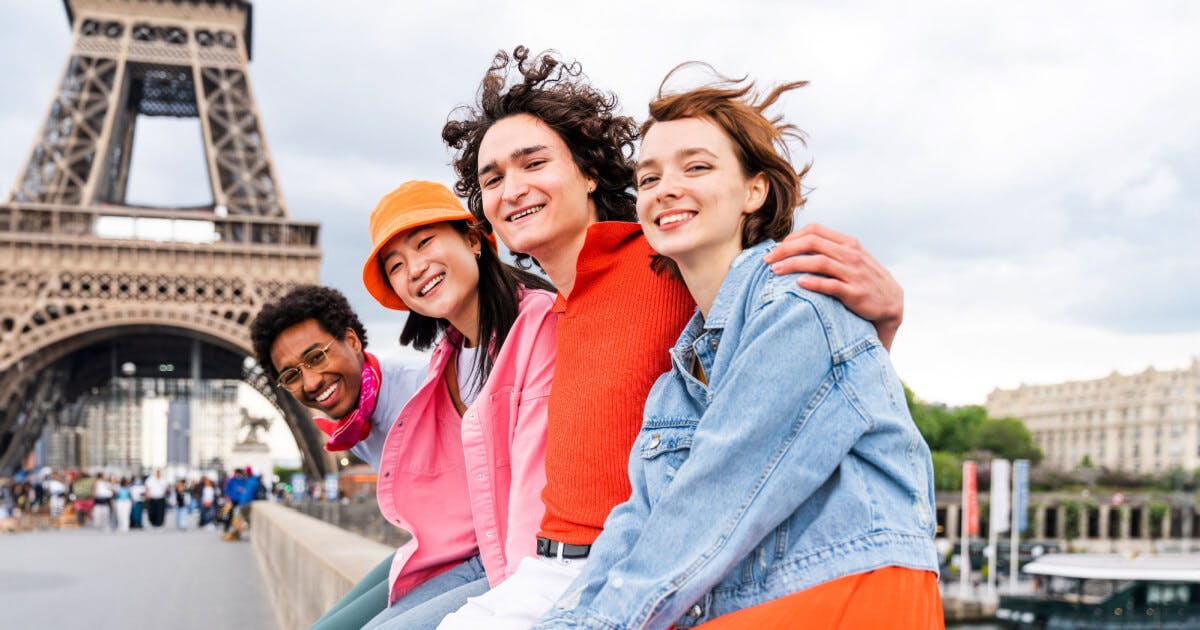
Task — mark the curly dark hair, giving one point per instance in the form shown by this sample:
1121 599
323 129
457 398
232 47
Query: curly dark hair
326 305
556 92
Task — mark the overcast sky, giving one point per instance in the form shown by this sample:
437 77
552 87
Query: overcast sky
1029 173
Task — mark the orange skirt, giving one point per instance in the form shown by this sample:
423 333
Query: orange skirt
890 597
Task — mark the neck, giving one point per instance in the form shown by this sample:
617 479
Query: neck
703 273
559 262
466 321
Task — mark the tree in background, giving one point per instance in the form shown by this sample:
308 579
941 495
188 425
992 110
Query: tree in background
952 433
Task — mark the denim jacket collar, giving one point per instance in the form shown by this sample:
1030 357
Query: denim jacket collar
691 343
727 295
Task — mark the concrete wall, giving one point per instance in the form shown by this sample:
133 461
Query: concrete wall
308 564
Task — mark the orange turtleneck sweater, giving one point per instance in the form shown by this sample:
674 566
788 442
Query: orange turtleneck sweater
614 333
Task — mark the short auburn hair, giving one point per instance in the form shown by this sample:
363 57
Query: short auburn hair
760 143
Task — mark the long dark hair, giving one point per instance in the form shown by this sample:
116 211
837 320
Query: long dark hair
498 306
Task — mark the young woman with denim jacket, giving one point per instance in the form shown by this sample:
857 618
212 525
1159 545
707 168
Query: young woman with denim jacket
778 480
461 465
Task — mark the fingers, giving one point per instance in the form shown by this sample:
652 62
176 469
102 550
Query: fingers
828 286
818 239
825 232
816 263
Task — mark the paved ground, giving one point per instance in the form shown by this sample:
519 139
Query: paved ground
144 579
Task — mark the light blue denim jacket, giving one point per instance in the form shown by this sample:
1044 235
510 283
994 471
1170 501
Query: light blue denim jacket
797 464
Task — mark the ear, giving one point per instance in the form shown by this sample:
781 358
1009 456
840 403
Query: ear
475 242
353 341
757 188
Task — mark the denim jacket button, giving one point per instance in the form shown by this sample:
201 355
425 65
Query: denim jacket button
695 611
656 441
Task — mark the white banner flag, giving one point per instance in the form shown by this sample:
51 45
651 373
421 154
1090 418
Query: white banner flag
999 514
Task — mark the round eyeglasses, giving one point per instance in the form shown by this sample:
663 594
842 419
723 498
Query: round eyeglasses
291 377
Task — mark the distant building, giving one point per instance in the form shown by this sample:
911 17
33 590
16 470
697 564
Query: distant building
1139 423
134 425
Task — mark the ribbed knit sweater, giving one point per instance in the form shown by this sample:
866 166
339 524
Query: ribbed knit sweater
614 334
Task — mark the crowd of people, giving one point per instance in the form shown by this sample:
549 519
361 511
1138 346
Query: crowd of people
690 419
124 503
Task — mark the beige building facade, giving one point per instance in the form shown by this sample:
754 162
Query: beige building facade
1147 422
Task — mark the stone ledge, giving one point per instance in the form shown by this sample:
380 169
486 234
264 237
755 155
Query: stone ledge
308 564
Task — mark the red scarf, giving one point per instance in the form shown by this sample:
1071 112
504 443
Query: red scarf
354 426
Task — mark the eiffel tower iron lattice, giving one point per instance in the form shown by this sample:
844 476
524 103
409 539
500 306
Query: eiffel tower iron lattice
85 276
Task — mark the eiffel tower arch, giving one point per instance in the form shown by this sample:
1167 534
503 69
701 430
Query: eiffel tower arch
87 280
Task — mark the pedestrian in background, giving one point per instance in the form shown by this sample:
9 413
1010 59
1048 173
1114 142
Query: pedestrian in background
137 494
156 498
208 502
124 506
57 490
102 493
81 492
183 501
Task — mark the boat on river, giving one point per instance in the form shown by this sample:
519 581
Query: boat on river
1107 591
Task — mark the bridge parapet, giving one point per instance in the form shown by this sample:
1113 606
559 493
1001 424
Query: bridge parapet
308 564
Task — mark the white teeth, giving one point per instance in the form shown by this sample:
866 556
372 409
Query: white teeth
432 283
525 213
327 393
676 218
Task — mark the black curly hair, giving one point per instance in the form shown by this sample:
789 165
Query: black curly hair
327 306
556 92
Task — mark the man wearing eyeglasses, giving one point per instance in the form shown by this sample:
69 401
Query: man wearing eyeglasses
314 346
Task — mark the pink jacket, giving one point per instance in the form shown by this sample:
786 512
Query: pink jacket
475 482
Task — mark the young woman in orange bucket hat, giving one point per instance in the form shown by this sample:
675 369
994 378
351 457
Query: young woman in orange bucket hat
461 467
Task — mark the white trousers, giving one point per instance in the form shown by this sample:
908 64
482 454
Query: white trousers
102 516
124 507
518 602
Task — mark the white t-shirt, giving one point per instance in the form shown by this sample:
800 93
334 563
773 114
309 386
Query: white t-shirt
468 384
156 487
102 489
400 380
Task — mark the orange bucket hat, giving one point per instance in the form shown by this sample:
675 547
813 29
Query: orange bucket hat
412 205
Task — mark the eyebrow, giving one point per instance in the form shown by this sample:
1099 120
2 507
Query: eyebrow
303 353
383 259
519 153
682 153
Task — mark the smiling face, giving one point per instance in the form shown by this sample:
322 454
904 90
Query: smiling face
330 386
692 194
434 271
534 194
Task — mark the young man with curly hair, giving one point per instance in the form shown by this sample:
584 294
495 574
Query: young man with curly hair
547 163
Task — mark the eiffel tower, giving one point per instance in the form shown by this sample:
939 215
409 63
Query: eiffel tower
89 282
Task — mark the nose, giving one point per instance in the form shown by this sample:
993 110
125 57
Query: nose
417 266
310 379
515 187
669 187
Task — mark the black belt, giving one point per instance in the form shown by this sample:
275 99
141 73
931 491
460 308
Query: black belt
551 548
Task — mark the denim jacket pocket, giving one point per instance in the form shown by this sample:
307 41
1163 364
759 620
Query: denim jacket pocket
664 444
